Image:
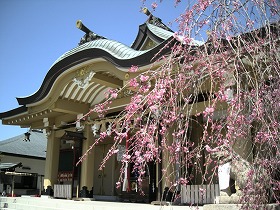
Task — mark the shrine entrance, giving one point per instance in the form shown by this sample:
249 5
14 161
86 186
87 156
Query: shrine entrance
104 180
68 173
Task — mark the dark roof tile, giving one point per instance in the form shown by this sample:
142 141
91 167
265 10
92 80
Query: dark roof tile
36 147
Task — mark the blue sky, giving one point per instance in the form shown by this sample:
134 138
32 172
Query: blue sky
34 33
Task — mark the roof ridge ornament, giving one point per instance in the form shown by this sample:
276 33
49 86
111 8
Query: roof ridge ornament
155 20
89 36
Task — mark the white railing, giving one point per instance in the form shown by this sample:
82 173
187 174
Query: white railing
62 191
200 194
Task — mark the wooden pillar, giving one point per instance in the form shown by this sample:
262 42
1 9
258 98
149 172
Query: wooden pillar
87 167
52 160
196 134
168 176
244 146
13 185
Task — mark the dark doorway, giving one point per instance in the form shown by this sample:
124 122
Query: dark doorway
70 151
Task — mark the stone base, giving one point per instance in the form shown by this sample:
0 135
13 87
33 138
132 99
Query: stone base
161 203
233 199
83 199
46 197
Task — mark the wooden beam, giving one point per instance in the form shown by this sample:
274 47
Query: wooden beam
70 107
37 125
120 102
107 81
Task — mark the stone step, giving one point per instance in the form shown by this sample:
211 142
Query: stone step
42 204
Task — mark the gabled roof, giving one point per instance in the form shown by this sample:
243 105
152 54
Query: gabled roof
151 32
9 166
16 146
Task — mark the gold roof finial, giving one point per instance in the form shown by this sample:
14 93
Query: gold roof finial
146 11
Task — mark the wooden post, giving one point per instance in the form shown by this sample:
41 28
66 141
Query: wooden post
13 185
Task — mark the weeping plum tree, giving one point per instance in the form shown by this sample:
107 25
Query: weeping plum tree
227 86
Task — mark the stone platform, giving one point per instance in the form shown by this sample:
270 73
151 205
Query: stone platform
237 207
49 203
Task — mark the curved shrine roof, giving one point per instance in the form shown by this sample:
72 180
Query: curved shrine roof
116 53
117 49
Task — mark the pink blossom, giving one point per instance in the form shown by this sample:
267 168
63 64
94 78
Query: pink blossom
209 111
139 159
159 93
153 108
133 69
113 93
126 158
183 39
133 82
183 181
176 36
187 40
144 88
121 135
137 153
154 5
103 135
210 150
202 191
118 185
164 117
115 151
144 78
203 4
250 23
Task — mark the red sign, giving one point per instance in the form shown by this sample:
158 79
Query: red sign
64 176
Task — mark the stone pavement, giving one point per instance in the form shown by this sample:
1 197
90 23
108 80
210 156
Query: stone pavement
36 203
237 207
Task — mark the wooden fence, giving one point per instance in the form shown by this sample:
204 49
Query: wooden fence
63 191
200 194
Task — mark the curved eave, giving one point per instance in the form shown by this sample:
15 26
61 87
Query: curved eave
114 52
155 33
13 112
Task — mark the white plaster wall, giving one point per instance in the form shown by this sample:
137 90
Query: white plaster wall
35 165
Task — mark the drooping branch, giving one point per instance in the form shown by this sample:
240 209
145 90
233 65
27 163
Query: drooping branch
221 92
